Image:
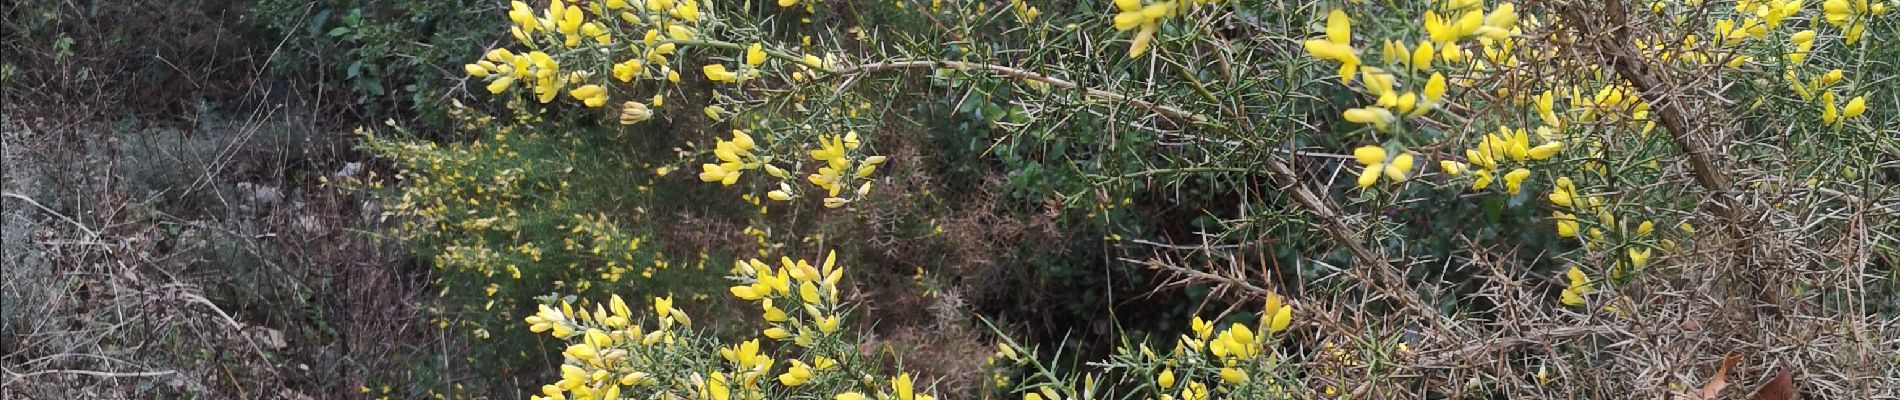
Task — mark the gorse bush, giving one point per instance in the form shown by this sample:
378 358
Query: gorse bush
1428 175
612 355
509 217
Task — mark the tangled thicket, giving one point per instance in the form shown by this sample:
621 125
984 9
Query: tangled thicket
1561 198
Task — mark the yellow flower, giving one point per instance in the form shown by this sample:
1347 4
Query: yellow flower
1803 42
591 95
718 73
1435 88
625 71
747 292
777 333
797 374
902 385
1165 379
1337 45
1504 17
1639 257
782 194
1545 150
1279 316
1546 108
716 387
1439 29
1452 168
663 306
845 395
1565 192
1326 50
1855 107
1421 58
1195 391
1378 117
1143 40
755 55
1832 76
1514 180
828 324
1572 298
1339 27
1132 15
1233 376
1566 223
1202 329
1483 178
1375 162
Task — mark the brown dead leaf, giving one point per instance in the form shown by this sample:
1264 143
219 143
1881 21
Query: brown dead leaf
1780 388
1713 390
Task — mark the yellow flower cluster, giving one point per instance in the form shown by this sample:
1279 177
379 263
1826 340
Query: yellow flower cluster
797 285
1374 159
841 166
1133 14
1835 117
600 364
735 157
1234 349
580 32
609 355
1579 286
1584 111
1234 362
1024 12
754 57
1851 16
1441 43
1506 145
536 70
586 48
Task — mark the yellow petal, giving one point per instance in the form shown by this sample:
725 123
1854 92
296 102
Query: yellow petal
1435 88
1577 277
1546 150
1514 180
1566 224
1400 165
1369 175
1339 27
1504 17
1369 155
1452 168
1855 107
1129 20
755 55
1422 56
1374 116
1571 298
1143 40
1281 319
1325 50
1404 103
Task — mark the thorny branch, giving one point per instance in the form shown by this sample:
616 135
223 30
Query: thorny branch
1380 274
1609 36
